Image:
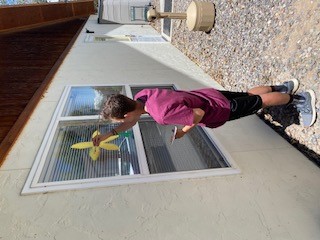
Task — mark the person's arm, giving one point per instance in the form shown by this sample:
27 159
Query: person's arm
122 127
198 114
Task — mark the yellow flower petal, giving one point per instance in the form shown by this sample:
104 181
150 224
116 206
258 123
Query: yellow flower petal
95 133
94 153
82 145
109 139
109 146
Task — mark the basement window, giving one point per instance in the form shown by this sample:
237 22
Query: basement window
145 153
124 38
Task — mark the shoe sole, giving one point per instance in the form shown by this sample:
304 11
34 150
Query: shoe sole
295 85
313 106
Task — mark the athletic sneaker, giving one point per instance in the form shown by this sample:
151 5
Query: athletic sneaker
291 86
306 107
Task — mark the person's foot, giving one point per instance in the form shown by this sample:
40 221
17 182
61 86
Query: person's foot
291 86
306 107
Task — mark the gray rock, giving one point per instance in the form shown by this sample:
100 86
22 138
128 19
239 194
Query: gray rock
257 43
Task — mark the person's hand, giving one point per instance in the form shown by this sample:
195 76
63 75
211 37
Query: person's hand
180 133
97 139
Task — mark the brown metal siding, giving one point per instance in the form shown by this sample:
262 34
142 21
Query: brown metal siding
12 17
28 61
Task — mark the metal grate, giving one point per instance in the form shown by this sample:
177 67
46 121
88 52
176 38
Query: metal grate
111 38
194 151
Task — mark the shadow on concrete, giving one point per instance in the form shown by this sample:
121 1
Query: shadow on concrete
286 116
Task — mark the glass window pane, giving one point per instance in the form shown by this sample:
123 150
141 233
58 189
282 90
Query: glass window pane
135 90
64 163
88 100
194 151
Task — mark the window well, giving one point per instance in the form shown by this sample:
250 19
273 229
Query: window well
142 154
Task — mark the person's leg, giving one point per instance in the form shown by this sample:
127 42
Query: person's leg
247 104
275 99
260 90
276 95
244 104
289 87
231 95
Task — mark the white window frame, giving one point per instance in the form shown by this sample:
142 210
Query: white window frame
128 39
32 186
172 22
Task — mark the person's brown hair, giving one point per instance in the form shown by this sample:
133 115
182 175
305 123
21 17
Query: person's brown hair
116 106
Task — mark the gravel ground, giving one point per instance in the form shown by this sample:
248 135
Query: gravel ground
260 43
